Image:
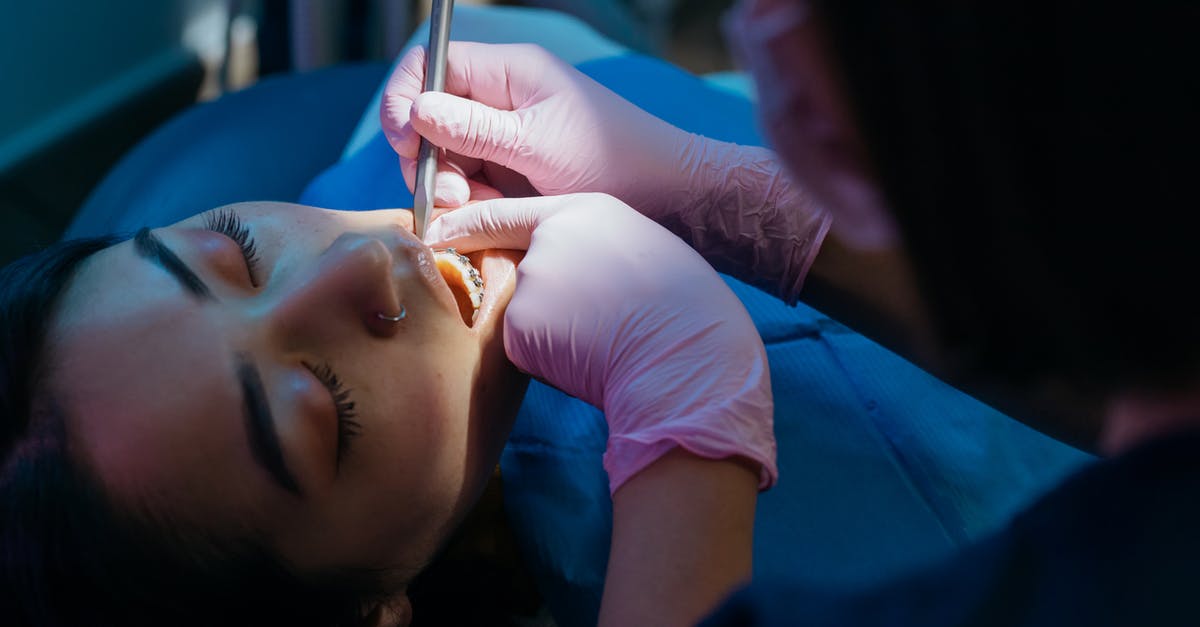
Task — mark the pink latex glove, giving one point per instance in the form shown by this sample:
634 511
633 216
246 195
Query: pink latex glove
611 308
517 119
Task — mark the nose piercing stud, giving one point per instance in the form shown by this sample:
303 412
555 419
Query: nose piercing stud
396 318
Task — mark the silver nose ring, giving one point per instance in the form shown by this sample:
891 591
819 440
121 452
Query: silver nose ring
396 318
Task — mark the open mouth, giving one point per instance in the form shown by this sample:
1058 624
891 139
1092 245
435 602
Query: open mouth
465 281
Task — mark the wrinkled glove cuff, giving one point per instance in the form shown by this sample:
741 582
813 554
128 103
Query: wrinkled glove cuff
628 455
742 211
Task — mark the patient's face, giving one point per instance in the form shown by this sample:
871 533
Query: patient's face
270 399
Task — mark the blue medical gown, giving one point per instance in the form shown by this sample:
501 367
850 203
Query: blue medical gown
883 468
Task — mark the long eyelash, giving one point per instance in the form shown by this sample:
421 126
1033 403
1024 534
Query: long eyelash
348 428
229 224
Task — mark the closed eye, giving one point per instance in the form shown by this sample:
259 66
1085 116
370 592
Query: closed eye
348 428
227 223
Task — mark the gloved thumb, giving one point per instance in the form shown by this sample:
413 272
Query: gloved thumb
467 127
500 223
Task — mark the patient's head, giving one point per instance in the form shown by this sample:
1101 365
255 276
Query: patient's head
216 414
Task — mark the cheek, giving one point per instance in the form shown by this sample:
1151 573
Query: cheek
424 398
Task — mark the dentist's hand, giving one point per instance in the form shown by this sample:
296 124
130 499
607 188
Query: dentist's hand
613 309
517 119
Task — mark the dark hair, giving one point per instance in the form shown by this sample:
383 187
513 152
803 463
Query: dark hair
1041 163
68 556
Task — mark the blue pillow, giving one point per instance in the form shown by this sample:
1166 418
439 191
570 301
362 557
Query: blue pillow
266 142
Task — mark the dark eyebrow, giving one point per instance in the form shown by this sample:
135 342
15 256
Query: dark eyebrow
149 246
260 427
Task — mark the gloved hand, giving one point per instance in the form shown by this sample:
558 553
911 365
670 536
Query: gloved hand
613 309
518 119
530 114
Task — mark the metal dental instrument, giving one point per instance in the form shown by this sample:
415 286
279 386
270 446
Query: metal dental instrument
435 80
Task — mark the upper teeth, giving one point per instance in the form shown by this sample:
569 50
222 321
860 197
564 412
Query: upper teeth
472 278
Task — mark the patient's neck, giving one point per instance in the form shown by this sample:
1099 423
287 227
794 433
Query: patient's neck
1135 418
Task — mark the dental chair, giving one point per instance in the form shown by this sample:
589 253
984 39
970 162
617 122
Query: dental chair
882 467
263 143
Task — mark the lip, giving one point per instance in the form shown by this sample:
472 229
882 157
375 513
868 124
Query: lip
498 268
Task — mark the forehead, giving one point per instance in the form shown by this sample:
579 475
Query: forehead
145 380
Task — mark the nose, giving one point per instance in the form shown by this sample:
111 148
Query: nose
344 290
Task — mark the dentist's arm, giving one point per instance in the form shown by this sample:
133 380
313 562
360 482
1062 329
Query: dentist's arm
683 534
613 309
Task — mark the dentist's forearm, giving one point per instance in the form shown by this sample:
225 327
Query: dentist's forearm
682 540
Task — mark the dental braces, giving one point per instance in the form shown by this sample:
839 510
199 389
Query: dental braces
472 273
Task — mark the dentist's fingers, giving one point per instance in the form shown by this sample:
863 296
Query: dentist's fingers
469 128
403 85
473 71
451 187
482 191
501 223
